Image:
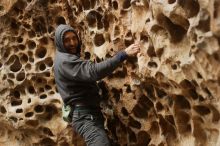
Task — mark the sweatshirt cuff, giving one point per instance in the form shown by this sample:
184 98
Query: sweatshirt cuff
121 56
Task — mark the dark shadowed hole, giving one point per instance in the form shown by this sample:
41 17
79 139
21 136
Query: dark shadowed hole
20 76
13 119
87 55
60 20
182 119
124 111
181 102
216 114
41 52
31 44
86 4
29 100
151 52
128 42
193 93
11 75
186 84
2 109
19 110
126 4
159 106
39 108
160 92
43 96
42 67
99 39
199 75
91 18
204 23
21 47
29 114
202 110
16 94
31 34
115 5
0 64
1 8
167 128
31 90
39 25
24 58
132 136
48 87
47 131
190 6
116 94
170 119
44 41
174 66
16 66
152 64
48 61
171 1
143 138
133 123
48 142
19 39
16 102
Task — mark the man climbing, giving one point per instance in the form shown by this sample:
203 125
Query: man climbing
76 82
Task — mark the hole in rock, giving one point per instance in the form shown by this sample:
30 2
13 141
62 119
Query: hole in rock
42 67
47 131
99 40
21 47
115 5
43 41
47 142
24 59
133 123
171 1
86 4
116 94
143 138
202 110
31 90
13 119
151 52
204 23
60 20
39 108
29 100
124 111
191 7
16 66
39 25
170 119
152 64
160 92
29 114
19 110
155 129
16 94
159 106
87 55
2 8
16 102
126 4
193 93
48 61
132 136
48 87
31 34
41 52
20 76
91 18
181 102
19 39
31 44
43 96
2 109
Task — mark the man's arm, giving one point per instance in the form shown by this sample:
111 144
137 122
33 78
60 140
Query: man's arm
88 71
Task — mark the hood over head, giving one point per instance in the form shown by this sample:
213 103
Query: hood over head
59 34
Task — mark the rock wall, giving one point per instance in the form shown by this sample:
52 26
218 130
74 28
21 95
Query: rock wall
168 95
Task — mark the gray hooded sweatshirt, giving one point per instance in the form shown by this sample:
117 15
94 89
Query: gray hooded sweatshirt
76 78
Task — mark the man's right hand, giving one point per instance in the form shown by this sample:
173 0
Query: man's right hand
133 49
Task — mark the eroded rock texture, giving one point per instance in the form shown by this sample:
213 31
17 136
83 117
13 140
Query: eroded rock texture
168 95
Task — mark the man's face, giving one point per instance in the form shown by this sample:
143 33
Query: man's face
70 42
